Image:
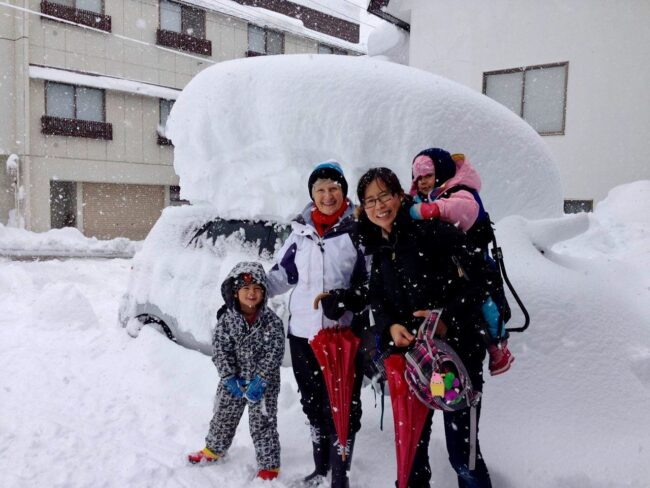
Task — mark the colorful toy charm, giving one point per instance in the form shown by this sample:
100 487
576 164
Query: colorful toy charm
437 384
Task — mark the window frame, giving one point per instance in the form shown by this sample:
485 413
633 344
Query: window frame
181 40
251 53
334 50
97 20
525 69
63 126
573 206
162 140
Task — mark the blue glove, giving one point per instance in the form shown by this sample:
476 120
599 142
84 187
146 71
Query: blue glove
234 386
255 390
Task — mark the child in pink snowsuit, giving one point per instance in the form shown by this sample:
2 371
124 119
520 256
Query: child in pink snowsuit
446 187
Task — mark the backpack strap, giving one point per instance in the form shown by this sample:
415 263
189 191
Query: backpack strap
472 438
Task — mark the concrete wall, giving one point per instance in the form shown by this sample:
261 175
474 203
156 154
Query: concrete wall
607 45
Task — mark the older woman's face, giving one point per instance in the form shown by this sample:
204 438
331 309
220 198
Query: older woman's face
381 205
328 196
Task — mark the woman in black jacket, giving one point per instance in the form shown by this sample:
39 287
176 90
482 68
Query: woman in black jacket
418 266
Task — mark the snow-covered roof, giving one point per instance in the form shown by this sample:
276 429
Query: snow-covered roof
247 133
106 82
268 18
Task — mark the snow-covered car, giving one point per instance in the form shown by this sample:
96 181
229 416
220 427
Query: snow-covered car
175 280
246 135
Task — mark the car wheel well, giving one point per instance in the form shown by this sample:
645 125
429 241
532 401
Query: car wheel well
148 319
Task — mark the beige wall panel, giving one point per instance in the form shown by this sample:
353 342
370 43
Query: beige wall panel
95 46
75 62
114 68
54 58
97 149
76 39
115 8
103 171
149 16
112 211
7 120
133 53
241 40
166 60
115 114
150 120
132 12
294 45
54 35
182 80
94 64
36 31
77 148
133 128
36 54
114 48
226 49
166 157
168 78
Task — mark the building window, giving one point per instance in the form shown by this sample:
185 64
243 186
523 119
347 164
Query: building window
75 111
325 49
165 109
264 41
175 199
183 27
535 93
63 204
577 206
85 12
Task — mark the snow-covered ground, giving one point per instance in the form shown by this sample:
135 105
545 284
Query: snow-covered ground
82 404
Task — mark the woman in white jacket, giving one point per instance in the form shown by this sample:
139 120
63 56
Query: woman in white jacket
322 255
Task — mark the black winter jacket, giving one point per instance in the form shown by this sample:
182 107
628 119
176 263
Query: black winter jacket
427 264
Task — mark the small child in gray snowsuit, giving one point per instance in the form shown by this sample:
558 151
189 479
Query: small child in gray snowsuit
248 346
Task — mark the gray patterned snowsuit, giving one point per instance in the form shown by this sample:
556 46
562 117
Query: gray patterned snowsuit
244 350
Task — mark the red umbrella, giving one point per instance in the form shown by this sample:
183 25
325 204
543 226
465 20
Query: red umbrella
335 349
409 415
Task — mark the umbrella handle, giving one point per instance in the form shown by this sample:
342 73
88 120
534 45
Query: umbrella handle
318 298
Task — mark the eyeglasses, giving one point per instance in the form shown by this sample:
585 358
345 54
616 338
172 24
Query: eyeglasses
382 197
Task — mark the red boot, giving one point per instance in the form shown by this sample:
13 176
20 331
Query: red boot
205 455
268 474
500 358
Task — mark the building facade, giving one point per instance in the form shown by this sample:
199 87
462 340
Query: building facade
576 71
86 87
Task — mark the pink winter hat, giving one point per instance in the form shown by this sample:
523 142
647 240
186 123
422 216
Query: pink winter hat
422 165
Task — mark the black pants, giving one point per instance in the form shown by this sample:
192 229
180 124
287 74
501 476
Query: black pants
457 428
313 392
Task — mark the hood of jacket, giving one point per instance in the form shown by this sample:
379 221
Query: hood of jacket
227 287
466 175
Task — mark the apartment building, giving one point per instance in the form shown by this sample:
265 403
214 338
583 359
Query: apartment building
86 87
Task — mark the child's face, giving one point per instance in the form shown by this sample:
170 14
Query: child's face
426 183
250 296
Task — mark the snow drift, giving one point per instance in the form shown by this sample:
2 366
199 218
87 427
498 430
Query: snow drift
247 133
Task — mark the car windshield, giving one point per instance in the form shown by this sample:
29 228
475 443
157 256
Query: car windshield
265 234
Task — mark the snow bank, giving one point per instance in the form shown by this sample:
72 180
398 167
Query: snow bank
571 413
68 241
247 133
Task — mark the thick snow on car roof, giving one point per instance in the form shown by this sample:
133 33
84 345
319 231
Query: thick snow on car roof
248 132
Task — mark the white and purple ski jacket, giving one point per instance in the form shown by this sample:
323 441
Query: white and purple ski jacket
311 264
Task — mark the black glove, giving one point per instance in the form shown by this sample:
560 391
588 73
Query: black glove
338 301
334 304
